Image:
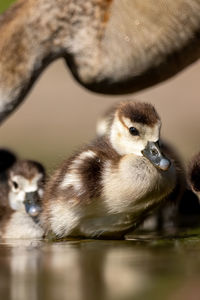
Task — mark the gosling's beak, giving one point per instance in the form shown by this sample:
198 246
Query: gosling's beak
32 204
153 153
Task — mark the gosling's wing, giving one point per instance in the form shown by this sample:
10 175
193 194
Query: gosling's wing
80 176
72 187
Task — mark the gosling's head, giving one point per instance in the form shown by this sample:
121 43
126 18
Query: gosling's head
26 184
136 130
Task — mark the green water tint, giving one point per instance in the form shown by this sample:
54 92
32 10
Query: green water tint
182 234
147 266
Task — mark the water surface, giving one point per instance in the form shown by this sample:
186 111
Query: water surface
140 268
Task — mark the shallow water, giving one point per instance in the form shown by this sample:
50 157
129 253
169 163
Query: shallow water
143 268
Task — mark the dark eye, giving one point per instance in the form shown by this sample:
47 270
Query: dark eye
133 131
15 184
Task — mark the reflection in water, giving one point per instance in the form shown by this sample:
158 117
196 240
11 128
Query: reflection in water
24 264
90 270
121 276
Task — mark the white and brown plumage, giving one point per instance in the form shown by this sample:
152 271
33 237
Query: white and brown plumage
111 46
166 217
110 185
20 200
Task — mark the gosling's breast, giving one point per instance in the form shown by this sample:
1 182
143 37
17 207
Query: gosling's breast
22 226
133 180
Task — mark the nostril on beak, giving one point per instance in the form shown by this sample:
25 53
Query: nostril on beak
154 152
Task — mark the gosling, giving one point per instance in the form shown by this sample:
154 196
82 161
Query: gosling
109 187
20 200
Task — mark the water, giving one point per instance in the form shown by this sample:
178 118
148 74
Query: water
143 268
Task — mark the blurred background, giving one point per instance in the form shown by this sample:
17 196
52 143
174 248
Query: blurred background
59 115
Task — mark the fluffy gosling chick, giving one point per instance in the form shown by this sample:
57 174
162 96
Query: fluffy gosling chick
107 188
20 200
165 218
